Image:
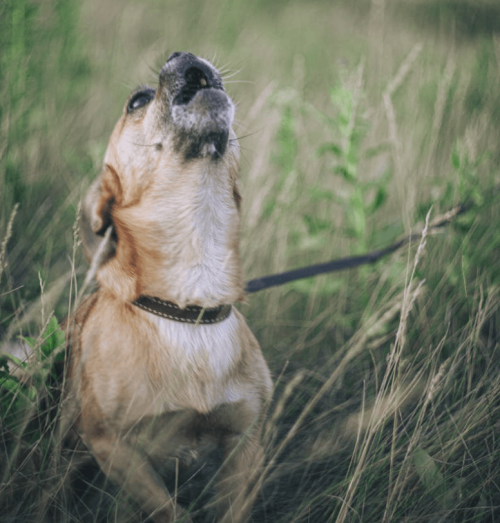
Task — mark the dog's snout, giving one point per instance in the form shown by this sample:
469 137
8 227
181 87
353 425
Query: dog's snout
181 60
174 55
196 77
192 93
194 80
184 74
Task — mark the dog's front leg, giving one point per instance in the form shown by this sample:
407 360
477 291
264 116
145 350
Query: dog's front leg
236 489
125 465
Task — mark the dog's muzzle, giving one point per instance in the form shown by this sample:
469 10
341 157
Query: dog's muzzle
202 112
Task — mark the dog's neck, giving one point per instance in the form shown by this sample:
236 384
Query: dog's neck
180 242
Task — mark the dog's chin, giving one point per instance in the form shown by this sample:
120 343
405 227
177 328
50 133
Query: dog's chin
202 125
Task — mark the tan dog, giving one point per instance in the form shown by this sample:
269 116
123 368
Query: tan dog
163 369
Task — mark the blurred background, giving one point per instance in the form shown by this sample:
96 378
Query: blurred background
67 67
295 69
355 118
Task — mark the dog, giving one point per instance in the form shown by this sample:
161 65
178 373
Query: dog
163 368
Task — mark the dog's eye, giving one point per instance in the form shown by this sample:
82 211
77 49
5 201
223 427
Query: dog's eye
140 99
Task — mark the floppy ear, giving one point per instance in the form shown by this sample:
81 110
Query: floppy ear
96 215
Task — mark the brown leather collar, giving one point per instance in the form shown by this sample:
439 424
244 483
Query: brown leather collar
190 314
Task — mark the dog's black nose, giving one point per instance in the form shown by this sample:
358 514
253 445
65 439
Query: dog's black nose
183 57
196 77
174 55
184 74
194 80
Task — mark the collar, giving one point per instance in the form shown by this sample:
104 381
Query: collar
190 314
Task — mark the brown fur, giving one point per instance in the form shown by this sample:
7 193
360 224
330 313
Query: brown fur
135 400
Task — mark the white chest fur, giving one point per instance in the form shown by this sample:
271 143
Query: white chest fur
195 364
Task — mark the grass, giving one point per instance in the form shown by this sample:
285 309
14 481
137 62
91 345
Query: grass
355 120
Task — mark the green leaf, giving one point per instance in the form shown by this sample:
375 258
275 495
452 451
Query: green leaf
286 141
357 221
386 235
316 225
17 361
10 383
4 374
455 159
429 474
347 172
269 207
356 217
316 194
30 341
341 98
32 394
375 151
53 337
4 364
310 243
330 148
379 200
60 355
446 200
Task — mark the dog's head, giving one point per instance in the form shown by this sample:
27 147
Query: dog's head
169 190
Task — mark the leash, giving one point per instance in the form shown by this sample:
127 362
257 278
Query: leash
259 284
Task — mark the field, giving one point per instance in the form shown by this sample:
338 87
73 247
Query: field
360 122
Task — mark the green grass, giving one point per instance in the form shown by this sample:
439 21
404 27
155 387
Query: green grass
354 123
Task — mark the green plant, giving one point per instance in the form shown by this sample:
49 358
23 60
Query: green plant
20 390
44 74
361 197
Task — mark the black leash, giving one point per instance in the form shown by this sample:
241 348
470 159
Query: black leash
265 282
259 284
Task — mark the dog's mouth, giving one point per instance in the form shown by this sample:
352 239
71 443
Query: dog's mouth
201 111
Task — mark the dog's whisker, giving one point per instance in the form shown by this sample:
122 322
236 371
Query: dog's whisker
225 67
143 144
152 69
239 82
214 60
247 135
225 77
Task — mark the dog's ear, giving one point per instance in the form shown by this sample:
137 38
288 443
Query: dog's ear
96 215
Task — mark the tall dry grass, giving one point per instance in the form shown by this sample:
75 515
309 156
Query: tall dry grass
356 121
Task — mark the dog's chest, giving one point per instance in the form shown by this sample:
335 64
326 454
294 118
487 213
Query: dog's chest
193 365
